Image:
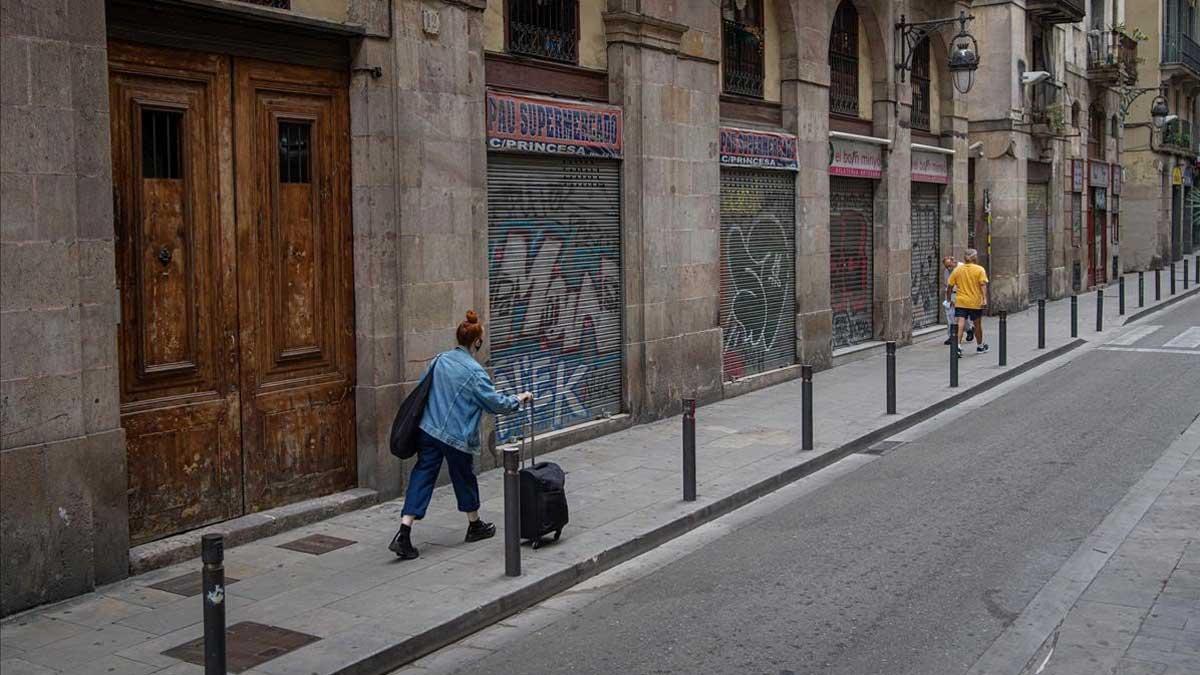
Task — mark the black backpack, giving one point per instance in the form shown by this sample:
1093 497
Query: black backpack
403 440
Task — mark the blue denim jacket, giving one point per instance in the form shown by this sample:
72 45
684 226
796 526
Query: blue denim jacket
460 393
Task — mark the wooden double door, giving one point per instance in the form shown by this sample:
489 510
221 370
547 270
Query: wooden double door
236 342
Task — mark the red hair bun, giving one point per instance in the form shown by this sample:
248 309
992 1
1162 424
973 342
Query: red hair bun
469 331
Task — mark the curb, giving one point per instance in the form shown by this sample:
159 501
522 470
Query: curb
1179 297
433 639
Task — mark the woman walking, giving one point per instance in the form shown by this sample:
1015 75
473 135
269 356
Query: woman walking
461 391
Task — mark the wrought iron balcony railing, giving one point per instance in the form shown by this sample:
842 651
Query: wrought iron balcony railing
1043 103
742 60
1181 50
1177 134
1112 55
546 30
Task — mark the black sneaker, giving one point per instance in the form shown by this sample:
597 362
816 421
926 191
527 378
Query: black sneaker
982 349
960 351
970 335
948 341
402 545
479 530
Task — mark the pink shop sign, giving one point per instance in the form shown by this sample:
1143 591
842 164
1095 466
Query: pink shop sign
930 167
855 159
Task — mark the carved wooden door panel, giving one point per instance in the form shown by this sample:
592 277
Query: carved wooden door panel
177 337
295 281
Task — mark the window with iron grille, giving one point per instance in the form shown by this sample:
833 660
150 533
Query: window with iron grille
742 47
920 86
546 29
843 61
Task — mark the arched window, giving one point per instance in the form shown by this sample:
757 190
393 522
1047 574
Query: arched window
742 47
546 29
843 61
920 86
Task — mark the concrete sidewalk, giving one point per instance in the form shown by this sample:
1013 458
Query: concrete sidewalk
357 609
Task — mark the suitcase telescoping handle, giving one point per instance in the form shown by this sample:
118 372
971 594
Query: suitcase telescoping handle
532 459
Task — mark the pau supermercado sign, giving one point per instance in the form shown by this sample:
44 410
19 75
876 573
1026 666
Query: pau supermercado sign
758 149
550 126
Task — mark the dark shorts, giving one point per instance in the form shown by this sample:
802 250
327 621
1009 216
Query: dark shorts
972 314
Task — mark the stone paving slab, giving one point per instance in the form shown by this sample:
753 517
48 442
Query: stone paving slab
373 612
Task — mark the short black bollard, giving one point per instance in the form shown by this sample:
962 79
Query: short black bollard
1172 277
512 512
1157 284
1141 289
1074 315
1185 274
212 554
689 449
1196 265
1099 309
806 408
1003 338
1121 295
891 377
954 362
1041 323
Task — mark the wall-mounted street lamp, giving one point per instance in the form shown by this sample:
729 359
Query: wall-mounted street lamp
963 59
1159 115
1158 108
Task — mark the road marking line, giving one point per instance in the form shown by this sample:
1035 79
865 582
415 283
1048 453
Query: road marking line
1188 339
1148 350
1133 335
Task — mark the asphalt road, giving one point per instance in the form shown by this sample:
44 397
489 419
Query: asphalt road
913 563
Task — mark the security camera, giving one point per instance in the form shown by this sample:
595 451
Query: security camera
1170 118
1034 76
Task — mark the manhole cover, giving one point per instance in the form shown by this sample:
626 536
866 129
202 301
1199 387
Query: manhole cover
882 447
187 585
317 544
247 644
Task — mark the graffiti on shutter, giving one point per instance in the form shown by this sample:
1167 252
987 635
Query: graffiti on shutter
851 249
554 285
758 315
1037 200
926 264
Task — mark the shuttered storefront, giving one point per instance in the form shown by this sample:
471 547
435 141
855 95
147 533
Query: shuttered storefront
851 251
1037 197
926 266
758 317
554 286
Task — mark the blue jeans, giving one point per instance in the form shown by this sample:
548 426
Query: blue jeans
430 452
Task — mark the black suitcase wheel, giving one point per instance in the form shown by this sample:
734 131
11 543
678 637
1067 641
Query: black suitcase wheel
536 543
557 534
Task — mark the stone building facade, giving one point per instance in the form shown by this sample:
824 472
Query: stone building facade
235 233
1161 163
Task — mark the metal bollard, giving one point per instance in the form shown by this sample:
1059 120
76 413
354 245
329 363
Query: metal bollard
1141 289
954 362
1099 309
891 377
1172 277
1003 338
1196 265
1041 323
806 408
689 449
1074 315
1185 274
212 554
1121 295
1157 284
512 512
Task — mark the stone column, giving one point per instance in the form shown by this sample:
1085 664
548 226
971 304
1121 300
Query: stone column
893 213
63 510
670 198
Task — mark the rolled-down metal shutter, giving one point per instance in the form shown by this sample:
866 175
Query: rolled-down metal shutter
851 251
926 266
758 291
1037 198
554 287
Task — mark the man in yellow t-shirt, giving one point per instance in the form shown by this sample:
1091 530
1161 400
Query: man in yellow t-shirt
970 282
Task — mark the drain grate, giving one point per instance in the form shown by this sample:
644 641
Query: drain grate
317 544
187 585
882 447
247 644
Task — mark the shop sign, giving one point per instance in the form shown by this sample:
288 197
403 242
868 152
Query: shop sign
548 126
758 149
1077 175
1099 174
1177 176
855 159
1117 176
930 167
1188 176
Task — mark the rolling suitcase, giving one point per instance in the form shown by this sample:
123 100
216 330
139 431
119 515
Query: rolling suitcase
543 497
